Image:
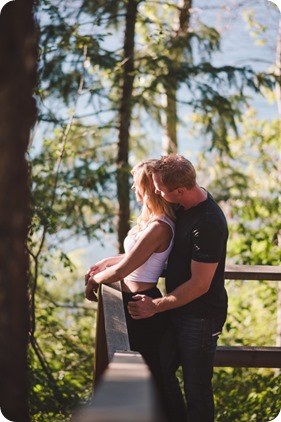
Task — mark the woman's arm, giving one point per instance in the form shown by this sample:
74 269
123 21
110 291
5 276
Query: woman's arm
149 242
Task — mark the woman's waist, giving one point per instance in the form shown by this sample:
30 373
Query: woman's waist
136 286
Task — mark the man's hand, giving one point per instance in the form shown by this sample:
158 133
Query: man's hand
142 307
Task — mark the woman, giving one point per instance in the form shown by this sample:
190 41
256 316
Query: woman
147 247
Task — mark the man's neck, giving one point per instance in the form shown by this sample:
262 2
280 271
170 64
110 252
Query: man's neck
193 197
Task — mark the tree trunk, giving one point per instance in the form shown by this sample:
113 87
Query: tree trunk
18 112
278 69
123 188
278 96
169 120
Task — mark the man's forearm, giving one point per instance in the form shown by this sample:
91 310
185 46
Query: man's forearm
185 293
196 286
144 307
165 303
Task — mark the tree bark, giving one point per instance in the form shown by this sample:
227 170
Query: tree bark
18 112
278 69
123 188
278 97
169 120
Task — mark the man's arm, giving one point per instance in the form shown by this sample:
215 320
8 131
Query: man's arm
196 286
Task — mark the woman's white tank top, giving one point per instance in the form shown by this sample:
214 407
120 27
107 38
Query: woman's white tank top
150 271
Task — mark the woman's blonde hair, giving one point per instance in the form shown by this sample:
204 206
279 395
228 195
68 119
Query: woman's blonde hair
153 204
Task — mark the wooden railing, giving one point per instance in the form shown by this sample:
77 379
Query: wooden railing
123 387
250 356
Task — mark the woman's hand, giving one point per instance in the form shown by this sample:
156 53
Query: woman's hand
95 269
91 289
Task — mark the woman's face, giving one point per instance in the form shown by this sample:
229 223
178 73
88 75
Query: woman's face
137 188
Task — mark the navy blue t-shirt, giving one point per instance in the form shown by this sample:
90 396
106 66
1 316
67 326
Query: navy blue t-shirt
201 235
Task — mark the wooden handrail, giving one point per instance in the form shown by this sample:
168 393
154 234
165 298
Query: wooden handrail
125 393
253 272
248 357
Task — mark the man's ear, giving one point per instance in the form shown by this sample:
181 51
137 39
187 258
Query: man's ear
180 191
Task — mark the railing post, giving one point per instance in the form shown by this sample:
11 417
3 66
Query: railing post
111 332
101 353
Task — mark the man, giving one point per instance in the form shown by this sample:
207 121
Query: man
196 296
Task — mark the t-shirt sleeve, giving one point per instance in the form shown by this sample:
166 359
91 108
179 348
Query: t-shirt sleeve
208 242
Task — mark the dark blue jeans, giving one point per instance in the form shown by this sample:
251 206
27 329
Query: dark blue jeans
190 343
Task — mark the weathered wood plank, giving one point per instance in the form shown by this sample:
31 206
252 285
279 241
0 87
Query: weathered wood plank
101 354
126 393
114 319
250 272
248 357
253 272
111 331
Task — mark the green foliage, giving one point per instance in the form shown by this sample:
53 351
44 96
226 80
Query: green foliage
252 313
72 186
51 416
183 63
248 186
69 49
63 343
244 395
257 30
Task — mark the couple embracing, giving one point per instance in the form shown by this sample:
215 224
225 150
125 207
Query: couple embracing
183 228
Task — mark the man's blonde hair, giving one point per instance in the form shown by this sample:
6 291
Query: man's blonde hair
175 172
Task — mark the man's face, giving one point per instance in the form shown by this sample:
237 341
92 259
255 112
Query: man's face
160 189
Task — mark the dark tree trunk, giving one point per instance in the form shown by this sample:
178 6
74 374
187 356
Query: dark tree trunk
18 113
278 97
123 188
